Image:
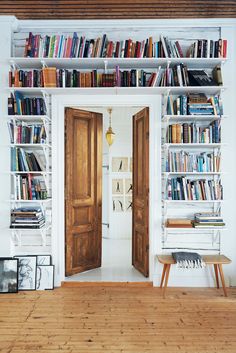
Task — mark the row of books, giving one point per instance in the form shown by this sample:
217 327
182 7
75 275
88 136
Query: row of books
52 77
207 48
194 104
21 132
182 161
78 46
192 133
20 105
28 187
201 220
182 188
27 217
178 75
25 161
211 219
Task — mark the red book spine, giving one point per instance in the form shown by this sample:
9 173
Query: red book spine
30 186
139 50
117 49
225 48
179 49
129 48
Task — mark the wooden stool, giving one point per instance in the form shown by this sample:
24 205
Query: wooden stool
216 260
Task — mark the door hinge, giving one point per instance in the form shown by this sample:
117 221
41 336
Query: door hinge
147 248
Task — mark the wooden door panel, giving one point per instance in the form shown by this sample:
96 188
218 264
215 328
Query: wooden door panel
140 233
83 176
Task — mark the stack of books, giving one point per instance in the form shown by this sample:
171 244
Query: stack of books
205 220
27 217
179 223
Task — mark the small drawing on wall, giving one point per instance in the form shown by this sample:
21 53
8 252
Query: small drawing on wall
120 164
117 186
131 164
128 204
117 204
128 186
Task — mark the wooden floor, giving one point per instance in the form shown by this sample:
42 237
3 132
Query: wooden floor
118 319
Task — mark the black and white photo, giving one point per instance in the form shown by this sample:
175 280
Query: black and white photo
8 275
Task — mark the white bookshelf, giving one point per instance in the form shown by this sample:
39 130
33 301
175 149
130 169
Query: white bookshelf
111 63
23 238
179 239
31 91
178 29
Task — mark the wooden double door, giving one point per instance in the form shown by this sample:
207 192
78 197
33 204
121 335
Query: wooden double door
83 191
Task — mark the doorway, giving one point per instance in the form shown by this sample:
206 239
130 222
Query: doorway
84 167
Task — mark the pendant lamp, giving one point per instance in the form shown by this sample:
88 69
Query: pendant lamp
110 135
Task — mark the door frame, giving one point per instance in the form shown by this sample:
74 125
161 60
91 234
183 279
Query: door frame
59 103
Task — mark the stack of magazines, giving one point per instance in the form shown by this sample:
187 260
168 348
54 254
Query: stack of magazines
205 219
27 217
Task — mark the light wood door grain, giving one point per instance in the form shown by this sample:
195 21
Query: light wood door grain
83 190
140 232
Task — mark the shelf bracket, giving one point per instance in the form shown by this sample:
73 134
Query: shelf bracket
43 235
14 65
105 66
17 236
43 64
45 97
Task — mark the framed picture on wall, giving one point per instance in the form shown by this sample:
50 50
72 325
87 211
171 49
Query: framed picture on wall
131 164
117 186
27 272
128 186
118 204
8 275
128 203
120 164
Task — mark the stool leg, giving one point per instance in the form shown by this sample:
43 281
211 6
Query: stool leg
222 279
216 274
166 279
163 275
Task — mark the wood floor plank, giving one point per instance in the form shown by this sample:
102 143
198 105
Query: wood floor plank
113 319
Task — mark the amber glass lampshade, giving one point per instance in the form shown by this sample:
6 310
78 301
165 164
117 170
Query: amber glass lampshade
110 135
